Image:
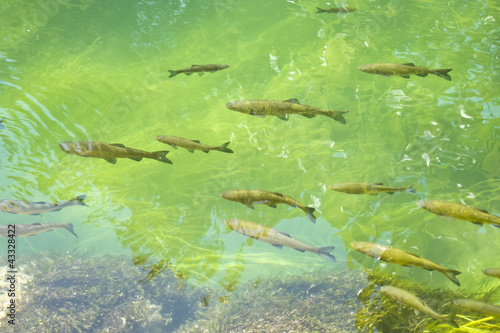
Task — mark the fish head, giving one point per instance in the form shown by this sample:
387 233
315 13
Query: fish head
370 249
229 195
335 187
68 147
421 203
231 105
367 69
223 66
231 223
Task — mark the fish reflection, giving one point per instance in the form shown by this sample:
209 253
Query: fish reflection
23 207
23 230
403 70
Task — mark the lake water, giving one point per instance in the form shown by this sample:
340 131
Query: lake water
98 71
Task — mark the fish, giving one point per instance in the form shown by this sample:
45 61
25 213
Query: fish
336 10
477 306
493 272
23 207
200 69
32 229
250 197
2 126
276 238
281 109
191 145
460 212
369 188
407 298
403 258
110 151
403 70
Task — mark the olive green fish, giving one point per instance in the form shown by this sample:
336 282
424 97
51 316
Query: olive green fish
110 151
191 145
460 212
403 258
23 230
336 10
493 272
276 238
281 109
369 188
407 298
200 69
403 70
477 306
250 197
23 207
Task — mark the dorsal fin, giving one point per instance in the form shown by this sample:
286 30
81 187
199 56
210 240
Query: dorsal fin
278 194
481 210
117 145
197 141
292 100
409 64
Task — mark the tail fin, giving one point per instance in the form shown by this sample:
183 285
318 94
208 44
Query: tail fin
223 148
309 212
173 73
450 319
69 227
337 115
450 274
321 10
325 253
79 199
443 73
409 189
161 156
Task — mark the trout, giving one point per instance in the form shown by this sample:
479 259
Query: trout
276 238
477 306
250 197
200 69
281 109
191 145
369 188
336 10
23 207
403 258
407 298
493 272
403 70
23 230
460 212
110 151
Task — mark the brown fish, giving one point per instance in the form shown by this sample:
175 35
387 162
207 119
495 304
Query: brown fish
191 145
369 188
403 70
477 306
23 207
336 10
23 230
200 69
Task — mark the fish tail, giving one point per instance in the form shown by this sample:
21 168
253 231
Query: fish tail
80 199
409 189
69 227
309 212
223 148
325 253
320 10
337 115
173 73
161 156
443 73
450 319
450 274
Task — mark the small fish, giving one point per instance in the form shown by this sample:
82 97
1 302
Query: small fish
407 298
23 230
110 151
336 10
281 109
200 69
403 258
276 238
250 197
191 145
460 212
493 272
23 207
403 70
369 188
477 306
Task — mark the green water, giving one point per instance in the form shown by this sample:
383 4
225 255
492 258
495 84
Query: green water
87 70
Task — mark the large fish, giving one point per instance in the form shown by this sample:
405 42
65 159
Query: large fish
336 10
276 238
493 272
403 70
110 151
23 230
477 306
200 69
191 145
250 197
369 188
459 211
281 109
407 298
23 207
403 258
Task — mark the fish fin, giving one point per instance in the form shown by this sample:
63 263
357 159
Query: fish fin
259 115
308 115
337 115
111 160
378 183
223 148
196 141
162 156
136 158
194 66
205 151
409 189
173 146
309 212
80 199
405 76
172 73
391 193
450 274
325 252
69 227
188 73
285 234
443 73
496 225
409 64
117 145
272 205
191 150
37 223
422 75
250 206
285 118
278 246
292 100
321 10
481 210
300 250
201 73
478 223
278 194
450 319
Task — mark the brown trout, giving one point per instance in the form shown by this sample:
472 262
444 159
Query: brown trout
250 197
276 238
336 10
110 151
281 109
200 69
477 306
403 70
369 188
191 145
23 207
403 258
23 230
